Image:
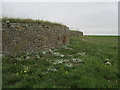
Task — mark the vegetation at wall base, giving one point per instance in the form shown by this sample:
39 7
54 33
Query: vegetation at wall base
86 62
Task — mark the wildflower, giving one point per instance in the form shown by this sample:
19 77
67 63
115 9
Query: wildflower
50 61
44 52
17 73
108 63
50 50
70 49
67 48
37 56
62 55
45 72
58 54
27 57
74 60
77 61
58 61
69 65
25 71
52 69
18 59
26 68
65 60
82 54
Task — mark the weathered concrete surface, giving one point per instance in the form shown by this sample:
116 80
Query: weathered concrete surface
75 33
20 38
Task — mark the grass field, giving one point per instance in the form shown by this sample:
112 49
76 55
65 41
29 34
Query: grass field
87 62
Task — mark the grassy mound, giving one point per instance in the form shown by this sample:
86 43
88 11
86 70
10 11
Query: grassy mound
20 20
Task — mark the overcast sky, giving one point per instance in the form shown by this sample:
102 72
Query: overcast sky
89 17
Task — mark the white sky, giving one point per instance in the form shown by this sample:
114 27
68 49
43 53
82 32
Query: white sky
60 0
89 17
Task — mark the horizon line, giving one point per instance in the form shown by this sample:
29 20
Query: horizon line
104 34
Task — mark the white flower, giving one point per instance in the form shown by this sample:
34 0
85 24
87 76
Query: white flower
65 47
44 52
69 65
77 60
50 50
58 54
37 56
62 55
27 57
58 61
45 72
108 63
50 61
18 59
65 60
51 68
70 49
82 54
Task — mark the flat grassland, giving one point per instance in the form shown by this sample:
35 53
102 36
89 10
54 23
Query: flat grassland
87 62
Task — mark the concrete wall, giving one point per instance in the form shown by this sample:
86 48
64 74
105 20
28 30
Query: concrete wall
20 38
75 33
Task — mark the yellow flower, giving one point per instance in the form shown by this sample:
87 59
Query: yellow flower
17 73
25 71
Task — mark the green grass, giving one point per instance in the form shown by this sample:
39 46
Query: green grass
92 72
27 20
